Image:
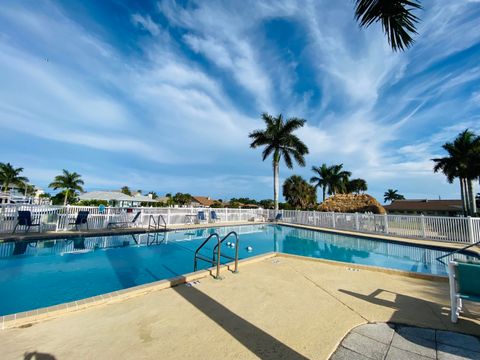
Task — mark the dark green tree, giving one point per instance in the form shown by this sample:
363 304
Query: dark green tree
278 140
69 182
10 175
392 195
356 186
299 193
462 162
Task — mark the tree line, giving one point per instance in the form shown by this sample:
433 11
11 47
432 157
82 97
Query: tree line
280 142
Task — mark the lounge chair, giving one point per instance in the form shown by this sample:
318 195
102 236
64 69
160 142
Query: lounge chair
124 223
213 216
277 218
81 219
464 279
25 219
201 217
20 247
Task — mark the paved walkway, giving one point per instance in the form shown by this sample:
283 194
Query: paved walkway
397 342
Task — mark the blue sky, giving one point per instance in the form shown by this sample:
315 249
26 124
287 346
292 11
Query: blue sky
161 95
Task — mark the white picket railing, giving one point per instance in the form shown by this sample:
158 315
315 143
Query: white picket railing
453 229
59 218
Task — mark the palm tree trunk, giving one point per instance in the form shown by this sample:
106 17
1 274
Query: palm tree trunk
471 194
275 186
324 188
467 196
462 195
66 197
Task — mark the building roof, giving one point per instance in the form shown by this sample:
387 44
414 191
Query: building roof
106 196
204 200
425 205
143 198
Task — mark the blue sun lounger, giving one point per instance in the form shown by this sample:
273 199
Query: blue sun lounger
213 216
201 217
81 219
25 219
464 279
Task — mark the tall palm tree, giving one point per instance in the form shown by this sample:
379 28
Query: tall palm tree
396 16
356 186
10 175
279 140
391 195
462 162
322 178
69 182
338 179
299 193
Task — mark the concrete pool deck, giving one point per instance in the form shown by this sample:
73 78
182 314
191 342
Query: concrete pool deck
276 308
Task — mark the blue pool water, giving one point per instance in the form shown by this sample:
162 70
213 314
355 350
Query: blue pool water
51 272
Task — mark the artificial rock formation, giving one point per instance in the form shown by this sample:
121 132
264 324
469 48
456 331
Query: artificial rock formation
351 203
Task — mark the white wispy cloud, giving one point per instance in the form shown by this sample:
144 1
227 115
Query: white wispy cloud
146 23
190 98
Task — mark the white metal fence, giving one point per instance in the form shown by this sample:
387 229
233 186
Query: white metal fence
60 218
455 229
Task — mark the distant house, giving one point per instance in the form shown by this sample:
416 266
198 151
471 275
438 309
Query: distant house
202 201
117 198
426 207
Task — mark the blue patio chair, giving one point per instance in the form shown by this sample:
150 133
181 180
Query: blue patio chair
464 279
201 216
25 219
213 216
81 219
277 218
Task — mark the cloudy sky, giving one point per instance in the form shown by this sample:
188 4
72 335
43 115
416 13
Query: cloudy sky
162 95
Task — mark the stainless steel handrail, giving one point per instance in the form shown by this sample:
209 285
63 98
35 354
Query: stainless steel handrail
198 256
457 251
236 249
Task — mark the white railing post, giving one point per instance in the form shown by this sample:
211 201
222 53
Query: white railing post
424 233
333 219
168 216
226 214
471 239
357 226
385 221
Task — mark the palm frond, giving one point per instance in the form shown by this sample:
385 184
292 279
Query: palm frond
397 18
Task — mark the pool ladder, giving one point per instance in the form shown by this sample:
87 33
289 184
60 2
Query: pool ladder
154 225
216 253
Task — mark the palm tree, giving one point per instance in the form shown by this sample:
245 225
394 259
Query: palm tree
356 186
126 190
68 181
322 178
299 193
10 175
462 162
391 195
396 16
338 179
278 138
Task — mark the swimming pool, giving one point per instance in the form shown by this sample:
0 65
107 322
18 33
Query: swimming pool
51 272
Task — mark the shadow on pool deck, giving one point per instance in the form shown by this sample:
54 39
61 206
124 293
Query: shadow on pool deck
408 308
255 339
38 356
